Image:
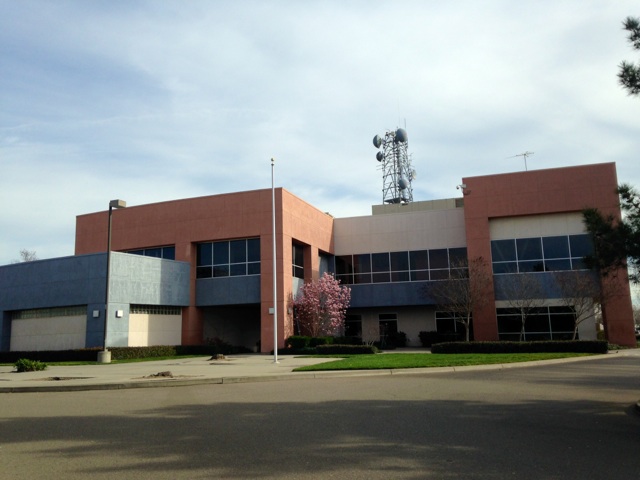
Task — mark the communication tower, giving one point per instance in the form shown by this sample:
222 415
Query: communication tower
397 173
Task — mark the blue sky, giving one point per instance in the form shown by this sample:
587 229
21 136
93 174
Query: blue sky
157 100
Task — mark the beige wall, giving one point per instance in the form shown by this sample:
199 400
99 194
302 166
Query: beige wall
150 329
411 320
400 232
50 333
536 226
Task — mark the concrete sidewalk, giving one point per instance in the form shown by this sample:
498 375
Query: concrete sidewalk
205 370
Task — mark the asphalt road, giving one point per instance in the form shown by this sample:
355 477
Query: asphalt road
567 421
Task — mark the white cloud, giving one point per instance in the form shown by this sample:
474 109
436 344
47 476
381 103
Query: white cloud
153 101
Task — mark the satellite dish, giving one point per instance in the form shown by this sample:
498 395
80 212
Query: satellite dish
402 183
377 141
401 135
380 156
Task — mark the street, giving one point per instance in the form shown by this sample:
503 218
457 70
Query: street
566 421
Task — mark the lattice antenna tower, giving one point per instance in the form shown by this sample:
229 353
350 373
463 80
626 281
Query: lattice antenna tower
397 173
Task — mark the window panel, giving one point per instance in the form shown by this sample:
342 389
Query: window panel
529 248
203 272
505 267
253 250
221 271
439 274
533 266
438 258
237 251
344 264
237 269
362 263
555 265
253 268
169 253
220 253
419 275
556 247
204 254
399 276
383 277
362 278
419 260
399 261
458 257
379 262
503 250
581 245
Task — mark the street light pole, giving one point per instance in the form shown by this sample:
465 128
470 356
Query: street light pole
275 277
105 355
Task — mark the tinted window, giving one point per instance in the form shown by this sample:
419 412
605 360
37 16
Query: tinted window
529 248
503 250
555 247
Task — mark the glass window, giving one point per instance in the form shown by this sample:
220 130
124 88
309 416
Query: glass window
203 272
419 259
399 261
532 266
204 254
253 250
505 267
503 250
344 264
253 268
581 245
441 274
220 253
297 252
362 278
362 263
458 257
153 252
237 251
380 262
237 269
221 271
381 277
419 275
399 276
555 265
169 253
529 248
438 258
555 247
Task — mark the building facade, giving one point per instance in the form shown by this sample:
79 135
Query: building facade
190 270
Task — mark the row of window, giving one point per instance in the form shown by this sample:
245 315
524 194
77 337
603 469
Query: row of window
155 310
542 323
228 258
540 254
73 311
415 265
168 252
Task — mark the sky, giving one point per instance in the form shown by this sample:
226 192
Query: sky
149 101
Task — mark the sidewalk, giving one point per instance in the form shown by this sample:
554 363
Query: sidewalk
205 370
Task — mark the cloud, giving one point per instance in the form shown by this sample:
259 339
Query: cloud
153 101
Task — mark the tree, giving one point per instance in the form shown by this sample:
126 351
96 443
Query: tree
27 256
616 241
629 74
463 292
321 306
525 295
581 292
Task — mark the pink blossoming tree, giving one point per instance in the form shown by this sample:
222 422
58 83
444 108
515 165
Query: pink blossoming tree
321 306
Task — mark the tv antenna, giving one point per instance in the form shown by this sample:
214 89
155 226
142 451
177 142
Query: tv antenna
397 172
525 155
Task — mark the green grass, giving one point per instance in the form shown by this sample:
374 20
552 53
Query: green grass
427 360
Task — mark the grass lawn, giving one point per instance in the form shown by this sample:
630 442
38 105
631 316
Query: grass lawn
422 360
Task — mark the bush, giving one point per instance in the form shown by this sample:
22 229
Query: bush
297 342
345 349
26 365
579 346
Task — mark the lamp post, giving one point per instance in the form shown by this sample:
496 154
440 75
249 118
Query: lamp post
275 277
105 355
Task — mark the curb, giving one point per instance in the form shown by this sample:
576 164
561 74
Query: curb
177 382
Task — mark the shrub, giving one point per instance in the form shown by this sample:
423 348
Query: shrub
297 342
26 365
579 346
346 349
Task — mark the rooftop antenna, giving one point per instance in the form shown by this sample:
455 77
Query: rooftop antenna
395 163
525 155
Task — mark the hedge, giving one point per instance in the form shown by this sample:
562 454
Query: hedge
121 353
578 346
345 349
